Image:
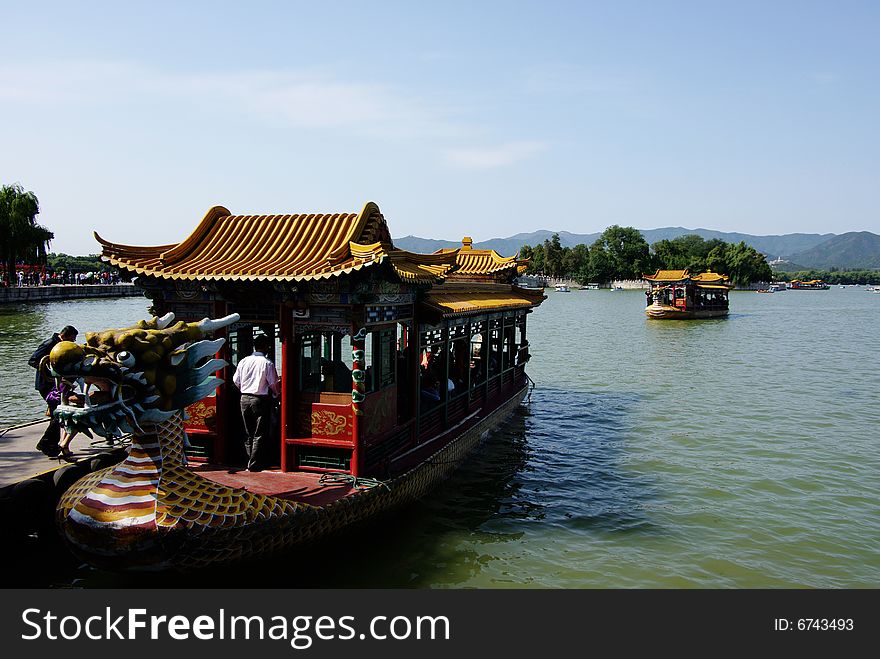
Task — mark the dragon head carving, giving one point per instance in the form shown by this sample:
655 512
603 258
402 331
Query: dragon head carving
125 378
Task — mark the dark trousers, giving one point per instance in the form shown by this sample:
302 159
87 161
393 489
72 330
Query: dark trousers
256 413
48 443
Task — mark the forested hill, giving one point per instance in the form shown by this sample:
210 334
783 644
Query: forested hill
774 246
854 250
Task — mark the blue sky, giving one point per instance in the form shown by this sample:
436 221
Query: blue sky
478 118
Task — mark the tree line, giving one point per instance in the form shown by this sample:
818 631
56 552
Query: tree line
22 240
871 277
90 263
623 253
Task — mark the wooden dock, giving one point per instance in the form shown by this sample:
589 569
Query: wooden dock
20 460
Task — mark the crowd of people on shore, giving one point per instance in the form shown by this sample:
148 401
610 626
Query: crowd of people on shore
62 277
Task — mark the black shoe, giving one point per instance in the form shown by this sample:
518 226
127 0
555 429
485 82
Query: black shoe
50 450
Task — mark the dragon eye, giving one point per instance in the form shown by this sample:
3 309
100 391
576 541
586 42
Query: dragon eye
125 358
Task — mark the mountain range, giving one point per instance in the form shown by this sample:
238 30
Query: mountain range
855 250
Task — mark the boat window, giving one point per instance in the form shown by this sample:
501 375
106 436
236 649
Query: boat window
432 368
509 345
522 343
432 376
310 363
381 362
494 351
404 371
478 352
325 362
459 365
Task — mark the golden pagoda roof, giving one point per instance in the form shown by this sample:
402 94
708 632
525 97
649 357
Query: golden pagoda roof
454 298
300 247
479 262
668 275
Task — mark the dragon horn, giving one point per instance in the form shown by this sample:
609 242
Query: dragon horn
164 321
207 325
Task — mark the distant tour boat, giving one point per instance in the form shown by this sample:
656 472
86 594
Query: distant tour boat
676 294
562 288
812 285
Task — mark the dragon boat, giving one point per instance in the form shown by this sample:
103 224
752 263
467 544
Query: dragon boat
811 285
678 295
393 366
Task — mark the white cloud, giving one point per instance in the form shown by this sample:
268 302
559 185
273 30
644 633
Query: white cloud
310 100
503 155
304 100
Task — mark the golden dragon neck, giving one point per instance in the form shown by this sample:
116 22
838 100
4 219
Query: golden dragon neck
163 443
126 495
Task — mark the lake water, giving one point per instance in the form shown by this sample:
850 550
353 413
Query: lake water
740 452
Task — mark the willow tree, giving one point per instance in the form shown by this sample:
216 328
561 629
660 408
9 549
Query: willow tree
21 238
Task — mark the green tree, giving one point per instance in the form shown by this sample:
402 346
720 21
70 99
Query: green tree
627 250
553 253
746 265
90 263
21 238
716 261
689 251
601 265
577 262
536 254
670 254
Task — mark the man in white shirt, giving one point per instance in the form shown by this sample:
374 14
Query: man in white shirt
257 380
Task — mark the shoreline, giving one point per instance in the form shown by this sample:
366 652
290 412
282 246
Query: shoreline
59 292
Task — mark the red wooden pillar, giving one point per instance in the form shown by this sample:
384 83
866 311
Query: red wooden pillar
287 382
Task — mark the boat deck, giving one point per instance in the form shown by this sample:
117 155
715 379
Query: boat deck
299 486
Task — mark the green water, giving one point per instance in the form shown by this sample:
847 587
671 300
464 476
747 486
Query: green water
740 453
